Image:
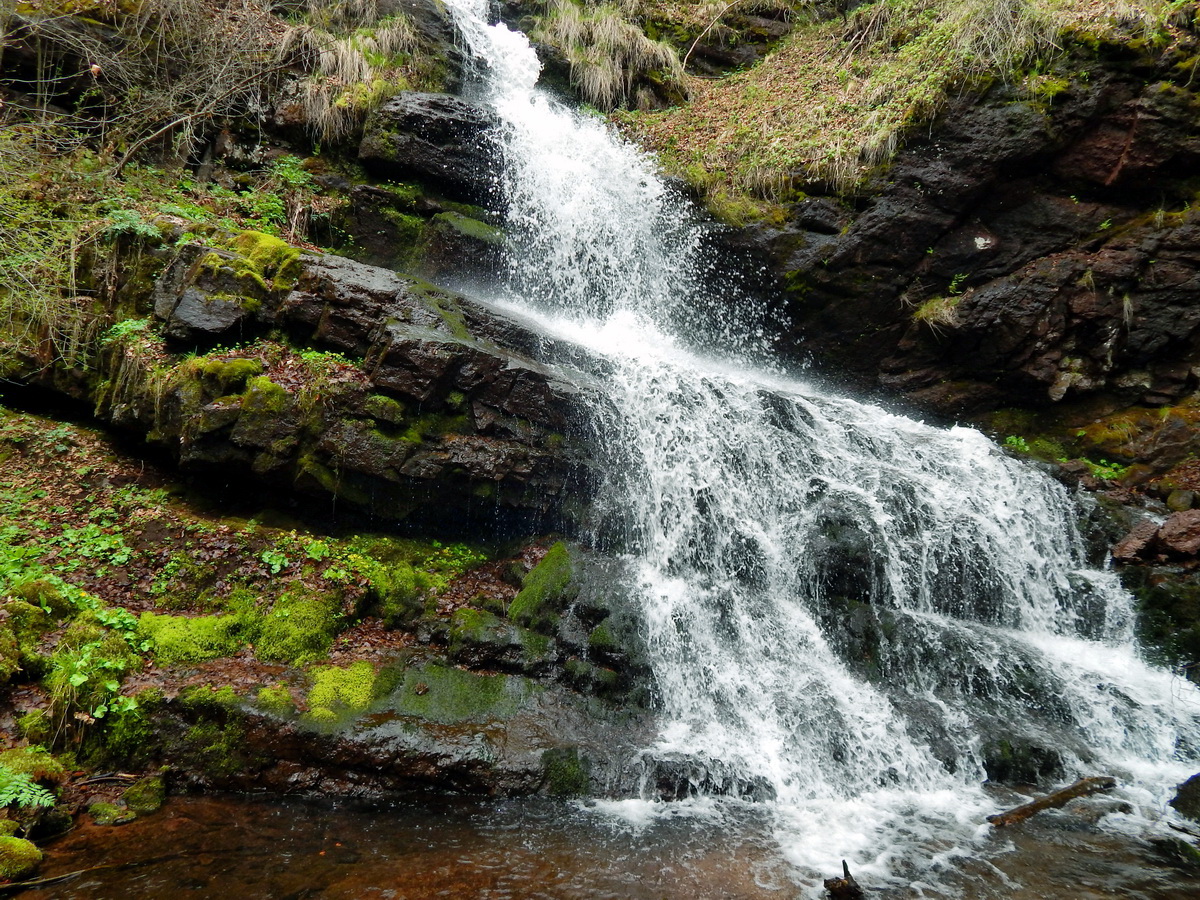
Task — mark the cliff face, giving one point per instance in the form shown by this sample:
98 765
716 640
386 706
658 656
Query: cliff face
1027 252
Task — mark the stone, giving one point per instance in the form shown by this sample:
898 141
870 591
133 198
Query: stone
437 138
1187 799
1180 534
1180 500
1136 546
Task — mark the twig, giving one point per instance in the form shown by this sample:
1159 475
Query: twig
711 26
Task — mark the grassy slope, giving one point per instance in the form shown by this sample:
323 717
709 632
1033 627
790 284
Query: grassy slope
836 99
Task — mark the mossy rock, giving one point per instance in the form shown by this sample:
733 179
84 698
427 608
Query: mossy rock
451 696
276 699
104 813
10 654
18 858
273 259
180 639
547 591
339 694
1019 761
483 639
565 773
299 629
146 795
36 762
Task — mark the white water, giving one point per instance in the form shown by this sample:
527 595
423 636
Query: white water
843 606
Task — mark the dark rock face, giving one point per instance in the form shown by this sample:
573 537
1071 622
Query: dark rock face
1187 800
1175 540
446 416
438 138
1025 254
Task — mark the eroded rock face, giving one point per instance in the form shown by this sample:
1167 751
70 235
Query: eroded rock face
1029 252
437 138
446 416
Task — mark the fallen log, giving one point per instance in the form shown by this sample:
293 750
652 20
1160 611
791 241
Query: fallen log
844 888
1081 788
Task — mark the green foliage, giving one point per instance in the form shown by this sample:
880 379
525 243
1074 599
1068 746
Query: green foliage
35 761
21 790
1016 442
123 329
274 560
122 222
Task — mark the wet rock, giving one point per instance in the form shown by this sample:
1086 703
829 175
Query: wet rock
1136 545
104 813
1019 761
438 138
1180 534
445 414
1011 257
1187 799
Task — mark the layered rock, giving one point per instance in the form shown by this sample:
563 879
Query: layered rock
440 139
1033 249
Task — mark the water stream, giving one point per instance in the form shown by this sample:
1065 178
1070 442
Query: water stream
849 612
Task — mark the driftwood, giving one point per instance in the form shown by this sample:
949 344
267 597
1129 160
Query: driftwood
844 888
1081 788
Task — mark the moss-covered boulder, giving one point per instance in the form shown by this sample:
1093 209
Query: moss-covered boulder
18 858
547 591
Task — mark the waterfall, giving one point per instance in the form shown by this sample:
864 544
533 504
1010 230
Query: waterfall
847 611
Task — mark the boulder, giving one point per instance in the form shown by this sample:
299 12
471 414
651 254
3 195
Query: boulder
439 139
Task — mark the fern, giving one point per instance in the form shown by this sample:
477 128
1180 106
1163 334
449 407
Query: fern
18 788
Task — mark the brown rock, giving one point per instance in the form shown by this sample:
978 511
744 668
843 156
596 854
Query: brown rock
1135 546
1181 533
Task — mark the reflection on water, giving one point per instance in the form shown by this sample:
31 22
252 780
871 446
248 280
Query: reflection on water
251 848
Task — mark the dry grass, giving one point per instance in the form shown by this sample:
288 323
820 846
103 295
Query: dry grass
608 54
835 99
358 57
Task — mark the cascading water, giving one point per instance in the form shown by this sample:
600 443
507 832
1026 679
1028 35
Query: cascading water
845 608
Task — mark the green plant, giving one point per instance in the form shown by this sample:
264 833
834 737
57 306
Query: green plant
274 560
1016 442
122 222
20 790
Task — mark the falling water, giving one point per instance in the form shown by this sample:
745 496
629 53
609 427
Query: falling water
844 608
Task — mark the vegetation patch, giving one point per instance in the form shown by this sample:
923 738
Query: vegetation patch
449 696
547 591
838 95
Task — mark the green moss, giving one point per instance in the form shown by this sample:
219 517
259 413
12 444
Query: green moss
469 228
44 594
397 589
565 773
299 629
273 259
276 699
339 694
602 638
265 397
10 654
385 409
547 591
223 377
36 762
104 813
18 858
9 827
146 795
450 696
36 726
180 639
217 749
